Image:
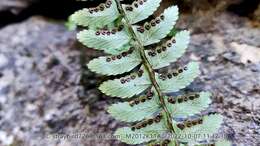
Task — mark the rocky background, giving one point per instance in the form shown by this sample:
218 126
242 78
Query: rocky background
46 89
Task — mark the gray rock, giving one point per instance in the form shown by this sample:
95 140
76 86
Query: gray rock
234 84
40 88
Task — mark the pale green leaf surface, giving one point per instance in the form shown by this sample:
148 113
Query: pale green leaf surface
142 12
142 135
115 67
190 107
156 33
115 88
172 143
111 44
70 25
200 132
172 53
181 81
96 19
124 112
223 143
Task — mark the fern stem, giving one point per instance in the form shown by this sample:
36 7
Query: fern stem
147 65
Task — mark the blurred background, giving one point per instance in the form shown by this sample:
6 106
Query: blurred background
45 87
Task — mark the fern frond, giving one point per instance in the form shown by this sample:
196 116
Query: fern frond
97 17
170 51
188 105
126 46
202 130
135 110
116 64
140 10
111 44
178 80
138 136
128 86
158 28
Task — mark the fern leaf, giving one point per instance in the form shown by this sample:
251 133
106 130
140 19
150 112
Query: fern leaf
124 111
97 17
119 42
151 132
111 44
139 11
210 125
189 105
168 52
158 28
126 87
165 142
182 80
114 65
70 25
